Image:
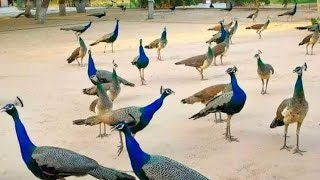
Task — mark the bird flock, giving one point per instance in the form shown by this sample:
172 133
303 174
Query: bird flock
49 163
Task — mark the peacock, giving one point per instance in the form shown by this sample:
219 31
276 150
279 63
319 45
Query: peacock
221 49
254 15
264 72
113 89
109 38
218 27
233 29
159 43
290 13
105 76
311 39
154 167
78 29
260 27
103 104
98 14
53 163
293 110
220 36
230 103
205 95
228 8
143 114
200 62
80 52
141 62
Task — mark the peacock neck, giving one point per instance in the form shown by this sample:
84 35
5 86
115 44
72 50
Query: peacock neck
142 54
234 83
116 29
153 107
164 35
261 65
26 145
91 67
115 80
227 39
137 157
88 25
298 89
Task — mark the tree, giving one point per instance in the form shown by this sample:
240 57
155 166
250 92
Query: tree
80 6
62 7
43 11
38 7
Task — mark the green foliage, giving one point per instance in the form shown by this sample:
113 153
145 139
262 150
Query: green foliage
315 21
246 2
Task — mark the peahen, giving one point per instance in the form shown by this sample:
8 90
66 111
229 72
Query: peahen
77 29
159 43
199 62
230 103
143 115
220 36
221 49
98 14
206 94
264 71
218 27
254 15
113 89
260 27
292 110
290 13
103 104
109 38
105 76
311 39
155 167
52 163
80 52
141 62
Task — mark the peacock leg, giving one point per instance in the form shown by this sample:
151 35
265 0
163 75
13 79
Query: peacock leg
78 61
265 91
112 47
260 35
307 49
221 59
159 55
262 90
220 120
312 48
121 144
105 46
104 131
297 150
231 138
143 80
81 62
100 134
215 61
285 138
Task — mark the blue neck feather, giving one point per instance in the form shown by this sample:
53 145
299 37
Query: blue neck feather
137 157
239 96
116 30
164 35
142 54
88 25
151 109
295 9
298 89
26 146
91 67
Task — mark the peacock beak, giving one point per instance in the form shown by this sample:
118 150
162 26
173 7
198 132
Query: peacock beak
2 110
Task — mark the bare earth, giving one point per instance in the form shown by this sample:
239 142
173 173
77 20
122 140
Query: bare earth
33 66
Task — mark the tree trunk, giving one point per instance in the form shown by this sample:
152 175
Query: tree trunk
80 6
62 7
43 11
38 7
257 3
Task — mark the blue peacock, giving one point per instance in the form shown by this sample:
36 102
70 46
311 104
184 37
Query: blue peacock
155 167
143 115
109 38
141 62
230 103
52 163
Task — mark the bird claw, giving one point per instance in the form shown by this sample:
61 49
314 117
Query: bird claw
231 138
105 135
219 121
298 151
203 79
100 136
288 148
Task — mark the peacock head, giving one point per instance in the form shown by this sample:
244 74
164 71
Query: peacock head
166 91
257 55
300 69
117 20
115 65
221 22
140 41
232 70
94 79
10 109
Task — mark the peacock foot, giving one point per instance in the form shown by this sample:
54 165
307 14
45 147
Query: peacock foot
219 121
105 135
231 139
100 136
204 79
143 82
298 151
288 148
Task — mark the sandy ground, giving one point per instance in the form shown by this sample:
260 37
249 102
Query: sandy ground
33 66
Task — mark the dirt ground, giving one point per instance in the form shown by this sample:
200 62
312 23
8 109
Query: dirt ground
33 66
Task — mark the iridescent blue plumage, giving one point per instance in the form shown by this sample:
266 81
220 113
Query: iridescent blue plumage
91 66
52 163
141 62
154 167
223 33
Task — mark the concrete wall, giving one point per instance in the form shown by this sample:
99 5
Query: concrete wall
4 3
